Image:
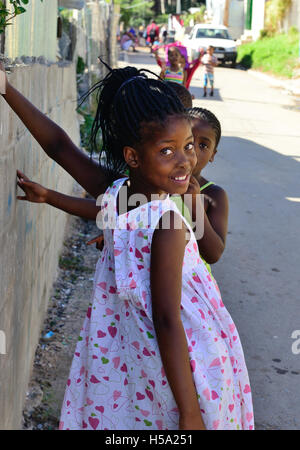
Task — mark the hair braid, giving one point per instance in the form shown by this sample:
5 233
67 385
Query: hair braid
209 117
127 99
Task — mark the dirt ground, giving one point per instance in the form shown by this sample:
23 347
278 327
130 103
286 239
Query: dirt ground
70 296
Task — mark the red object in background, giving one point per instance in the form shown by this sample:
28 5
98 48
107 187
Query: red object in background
156 29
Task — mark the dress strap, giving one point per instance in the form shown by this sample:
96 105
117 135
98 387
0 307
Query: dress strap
206 185
107 217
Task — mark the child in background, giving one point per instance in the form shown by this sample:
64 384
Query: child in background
154 352
189 67
175 72
209 61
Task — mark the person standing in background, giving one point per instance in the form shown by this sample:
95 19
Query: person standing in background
152 33
209 61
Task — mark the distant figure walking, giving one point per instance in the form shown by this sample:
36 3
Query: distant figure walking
209 61
152 33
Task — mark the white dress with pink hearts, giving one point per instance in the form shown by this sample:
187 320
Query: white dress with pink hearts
117 380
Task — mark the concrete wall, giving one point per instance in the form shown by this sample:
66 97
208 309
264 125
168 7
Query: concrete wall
31 235
33 33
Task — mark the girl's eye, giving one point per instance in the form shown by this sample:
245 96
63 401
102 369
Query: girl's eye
190 146
166 151
203 146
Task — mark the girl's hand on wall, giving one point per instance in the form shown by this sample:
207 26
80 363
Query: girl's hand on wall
34 192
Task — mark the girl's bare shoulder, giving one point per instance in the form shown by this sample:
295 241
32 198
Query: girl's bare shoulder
215 195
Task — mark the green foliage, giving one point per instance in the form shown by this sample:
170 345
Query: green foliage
198 16
274 14
85 130
80 65
135 12
277 55
162 18
6 15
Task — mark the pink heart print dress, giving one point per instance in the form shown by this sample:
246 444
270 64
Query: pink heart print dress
117 380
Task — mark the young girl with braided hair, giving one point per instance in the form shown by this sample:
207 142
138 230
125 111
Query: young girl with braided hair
207 134
158 349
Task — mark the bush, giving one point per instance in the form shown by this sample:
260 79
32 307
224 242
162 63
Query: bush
80 65
278 54
274 14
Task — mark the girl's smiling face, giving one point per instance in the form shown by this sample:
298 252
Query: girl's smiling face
205 144
174 56
163 162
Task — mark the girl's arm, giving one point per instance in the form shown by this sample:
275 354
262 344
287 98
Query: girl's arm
159 61
80 207
184 77
56 143
168 246
36 193
163 72
212 243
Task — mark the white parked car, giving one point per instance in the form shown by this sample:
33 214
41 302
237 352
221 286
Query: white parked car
204 35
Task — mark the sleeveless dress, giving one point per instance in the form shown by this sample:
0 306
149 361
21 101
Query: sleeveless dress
176 77
117 380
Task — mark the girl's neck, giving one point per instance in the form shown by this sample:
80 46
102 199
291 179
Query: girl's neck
201 180
175 67
137 185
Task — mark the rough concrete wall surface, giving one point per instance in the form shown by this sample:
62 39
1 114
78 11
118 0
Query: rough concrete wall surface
34 32
31 235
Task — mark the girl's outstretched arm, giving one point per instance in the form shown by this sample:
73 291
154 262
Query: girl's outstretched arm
168 246
56 143
36 193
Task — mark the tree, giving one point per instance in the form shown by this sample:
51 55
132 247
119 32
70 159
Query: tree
135 12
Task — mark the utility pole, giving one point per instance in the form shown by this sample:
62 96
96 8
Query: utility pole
226 13
178 7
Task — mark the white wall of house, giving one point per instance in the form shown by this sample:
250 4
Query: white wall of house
258 17
236 18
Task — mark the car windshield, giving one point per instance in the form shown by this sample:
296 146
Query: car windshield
217 33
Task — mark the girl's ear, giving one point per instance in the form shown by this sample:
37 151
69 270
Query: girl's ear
213 155
131 157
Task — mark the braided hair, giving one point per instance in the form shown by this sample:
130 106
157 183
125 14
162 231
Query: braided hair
128 99
209 117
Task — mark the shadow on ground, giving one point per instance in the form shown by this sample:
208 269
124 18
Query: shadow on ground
258 273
